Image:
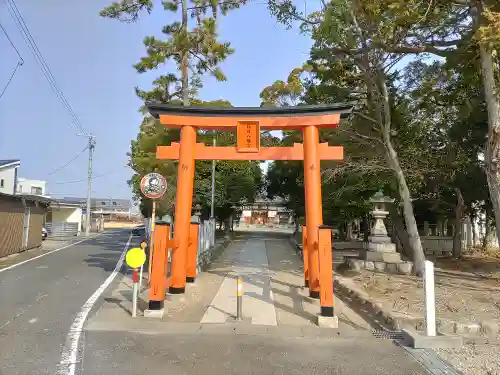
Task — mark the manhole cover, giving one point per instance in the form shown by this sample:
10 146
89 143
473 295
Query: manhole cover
388 335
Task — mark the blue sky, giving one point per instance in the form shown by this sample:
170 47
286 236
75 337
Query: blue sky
91 59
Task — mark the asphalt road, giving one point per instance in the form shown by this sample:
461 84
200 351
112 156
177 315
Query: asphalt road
128 353
40 299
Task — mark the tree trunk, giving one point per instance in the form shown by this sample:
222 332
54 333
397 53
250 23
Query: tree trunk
418 255
185 57
457 234
474 233
366 228
489 235
492 153
348 232
487 232
399 228
381 101
342 232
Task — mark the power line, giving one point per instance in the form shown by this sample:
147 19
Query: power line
86 179
12 44
68 163
20 62
35 51
33 47
83 179
10 79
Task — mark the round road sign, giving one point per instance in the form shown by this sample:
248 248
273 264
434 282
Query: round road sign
135 257
153 185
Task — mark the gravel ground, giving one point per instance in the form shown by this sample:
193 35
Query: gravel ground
463 293
475 359
466 290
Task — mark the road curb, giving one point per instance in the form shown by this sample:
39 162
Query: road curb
474 331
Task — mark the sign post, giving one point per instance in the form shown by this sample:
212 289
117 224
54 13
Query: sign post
143 247
135 258
153 186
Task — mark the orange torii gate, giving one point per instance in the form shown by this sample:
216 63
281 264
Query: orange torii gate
249 122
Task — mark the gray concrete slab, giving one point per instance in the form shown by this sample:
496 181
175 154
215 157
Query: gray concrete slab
252 266
191 354
40 299
292 302
419 340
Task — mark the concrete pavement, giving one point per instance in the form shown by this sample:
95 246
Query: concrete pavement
41 298
198 335
252 266
129 353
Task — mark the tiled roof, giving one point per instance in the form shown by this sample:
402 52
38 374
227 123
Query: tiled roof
8 161
69 201
28 197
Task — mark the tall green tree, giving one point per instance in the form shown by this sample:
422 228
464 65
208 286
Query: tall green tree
340 32
444 28
191 47
191 44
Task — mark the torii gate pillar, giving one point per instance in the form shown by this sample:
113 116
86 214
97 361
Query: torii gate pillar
183 203
314 206
248 123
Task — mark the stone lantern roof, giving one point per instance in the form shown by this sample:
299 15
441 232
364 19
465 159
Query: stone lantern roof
379 197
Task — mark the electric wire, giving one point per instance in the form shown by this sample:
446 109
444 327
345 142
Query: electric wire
86 179
20 62
35 51
68 163
10 79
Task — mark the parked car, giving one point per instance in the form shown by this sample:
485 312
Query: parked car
139 231
44 234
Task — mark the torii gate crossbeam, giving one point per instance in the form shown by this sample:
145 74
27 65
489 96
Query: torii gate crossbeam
248 123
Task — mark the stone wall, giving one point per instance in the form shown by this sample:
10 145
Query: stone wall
432 244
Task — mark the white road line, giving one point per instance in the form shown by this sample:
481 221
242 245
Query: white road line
42 255
67 365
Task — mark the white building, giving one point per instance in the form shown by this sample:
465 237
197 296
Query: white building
8 175
31 187
64 218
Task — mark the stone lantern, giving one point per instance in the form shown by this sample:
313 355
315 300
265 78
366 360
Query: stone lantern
380 247
379 213
196 217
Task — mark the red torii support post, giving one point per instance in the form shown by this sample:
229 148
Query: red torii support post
249 122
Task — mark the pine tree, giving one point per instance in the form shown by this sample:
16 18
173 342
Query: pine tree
192 46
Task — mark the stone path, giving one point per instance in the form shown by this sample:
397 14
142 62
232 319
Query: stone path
252 266
273 291
291 300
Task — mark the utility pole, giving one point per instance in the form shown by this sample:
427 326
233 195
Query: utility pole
91 147
212 206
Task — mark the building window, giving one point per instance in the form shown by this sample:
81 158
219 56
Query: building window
103 203
36 190
114 203
1 183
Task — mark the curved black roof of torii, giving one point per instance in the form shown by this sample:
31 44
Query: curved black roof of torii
157 109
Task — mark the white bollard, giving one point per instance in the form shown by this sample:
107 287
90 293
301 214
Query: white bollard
430 299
